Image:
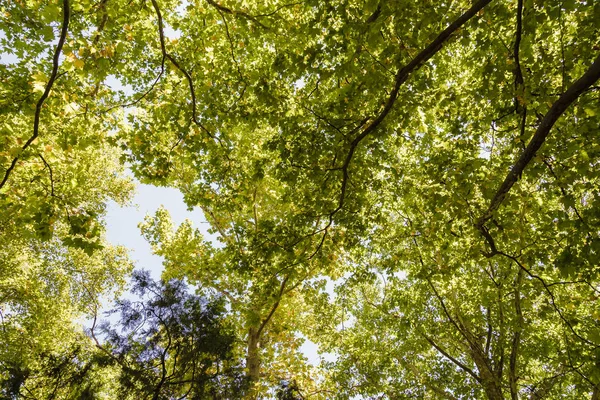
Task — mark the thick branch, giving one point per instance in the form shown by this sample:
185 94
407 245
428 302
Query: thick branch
401 77
375 14
488 337
520 106
489 381
543 130
498 353
274 308
40 103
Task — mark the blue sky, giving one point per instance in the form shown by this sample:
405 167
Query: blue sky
122 228
122 222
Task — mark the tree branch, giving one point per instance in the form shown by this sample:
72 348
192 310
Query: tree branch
51 175
543 130
179 67
228 10
40 103
518 73
274 308
488 338
454 360
401 77
552 300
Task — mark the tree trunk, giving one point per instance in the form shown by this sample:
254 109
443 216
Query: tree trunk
490 382
253 356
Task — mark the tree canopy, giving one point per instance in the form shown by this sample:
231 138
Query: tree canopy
411 185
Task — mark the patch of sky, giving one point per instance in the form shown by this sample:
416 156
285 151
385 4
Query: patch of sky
300 83
122 229
171 33
180 11
117 85
485 149
6 58
122 222
315 357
